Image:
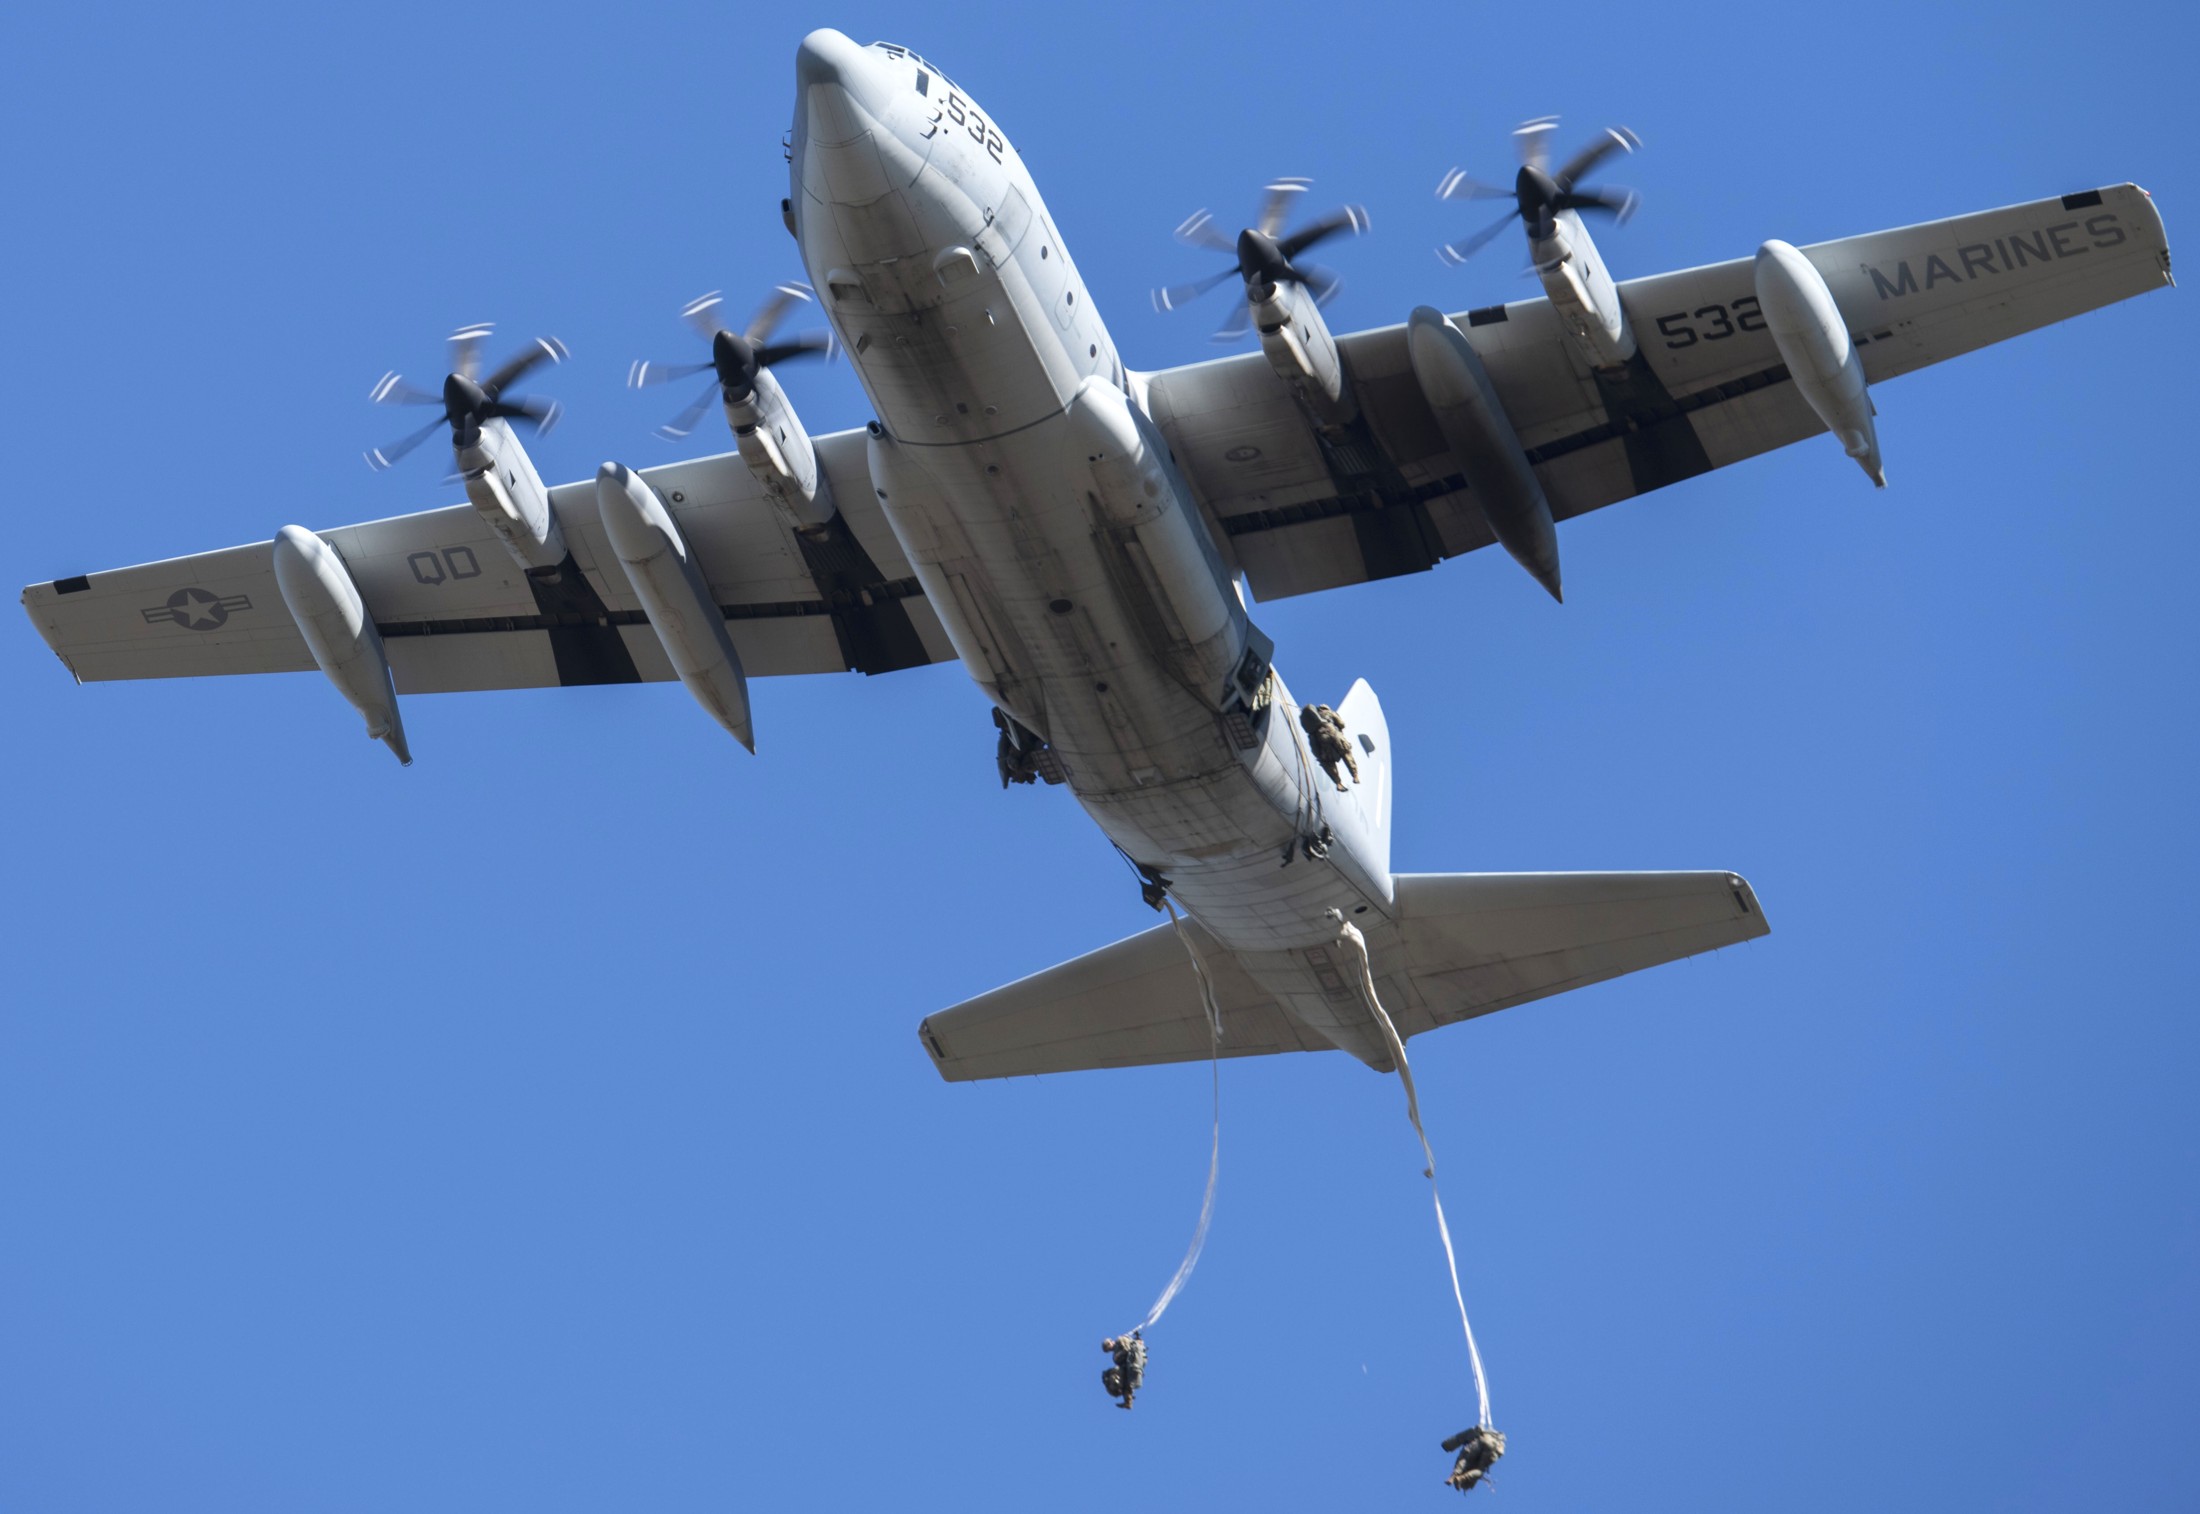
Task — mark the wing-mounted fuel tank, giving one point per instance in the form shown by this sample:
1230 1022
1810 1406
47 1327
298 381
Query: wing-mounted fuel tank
318 591
1814 342
1146 515
1484 443
765 427
669 582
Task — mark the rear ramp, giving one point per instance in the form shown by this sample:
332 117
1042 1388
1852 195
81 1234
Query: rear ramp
1466 944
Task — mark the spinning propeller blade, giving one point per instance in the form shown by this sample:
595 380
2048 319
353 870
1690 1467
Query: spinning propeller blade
467 402
736 357
1258 257
1539 195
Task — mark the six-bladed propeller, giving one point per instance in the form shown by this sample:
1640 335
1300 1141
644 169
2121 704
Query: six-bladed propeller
467 399
736 357
1261 257
1537 193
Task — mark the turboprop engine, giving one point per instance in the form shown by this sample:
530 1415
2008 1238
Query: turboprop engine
1283 297
1548 204
1814 342
500 478
773 444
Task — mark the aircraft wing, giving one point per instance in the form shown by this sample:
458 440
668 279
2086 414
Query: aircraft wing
456 612
1707 389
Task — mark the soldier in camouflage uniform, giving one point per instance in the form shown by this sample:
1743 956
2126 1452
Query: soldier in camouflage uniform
1011 754
1324 729
1124 1379
1478 1452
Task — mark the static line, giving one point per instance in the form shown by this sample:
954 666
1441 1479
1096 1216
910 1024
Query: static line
1350 934
1214 1155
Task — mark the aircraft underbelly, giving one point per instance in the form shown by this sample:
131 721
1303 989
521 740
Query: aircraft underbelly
975 369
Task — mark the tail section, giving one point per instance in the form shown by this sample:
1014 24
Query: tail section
1369 734
1463 944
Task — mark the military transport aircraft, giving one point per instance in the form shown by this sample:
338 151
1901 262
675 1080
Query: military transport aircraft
1083 537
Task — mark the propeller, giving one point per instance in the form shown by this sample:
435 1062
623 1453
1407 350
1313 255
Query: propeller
736 357
1261 257
467 399
1539 194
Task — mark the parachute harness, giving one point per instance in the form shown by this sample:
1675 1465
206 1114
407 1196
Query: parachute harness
1349 936
1214 1157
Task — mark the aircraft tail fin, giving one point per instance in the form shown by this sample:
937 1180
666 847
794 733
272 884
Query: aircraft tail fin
1463 944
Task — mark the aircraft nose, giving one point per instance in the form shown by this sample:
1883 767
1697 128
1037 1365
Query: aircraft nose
830 74
827 57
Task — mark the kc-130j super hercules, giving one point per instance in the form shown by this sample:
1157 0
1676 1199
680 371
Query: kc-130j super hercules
1074 532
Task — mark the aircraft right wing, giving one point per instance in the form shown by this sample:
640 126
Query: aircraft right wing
1707 387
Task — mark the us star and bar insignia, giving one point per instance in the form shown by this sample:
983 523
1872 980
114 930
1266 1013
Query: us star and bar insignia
195 609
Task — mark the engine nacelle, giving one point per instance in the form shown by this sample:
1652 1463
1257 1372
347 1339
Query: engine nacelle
1813 339
508 493
1147 511
318 591
778 451
1582 292
1300 348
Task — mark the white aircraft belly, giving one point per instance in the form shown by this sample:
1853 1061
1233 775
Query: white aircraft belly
972 372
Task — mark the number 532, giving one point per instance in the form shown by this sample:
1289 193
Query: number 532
965 115
1711 323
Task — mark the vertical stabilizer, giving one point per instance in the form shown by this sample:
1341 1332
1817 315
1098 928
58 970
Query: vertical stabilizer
1369 734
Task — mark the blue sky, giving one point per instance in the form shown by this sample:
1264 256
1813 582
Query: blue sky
544 1127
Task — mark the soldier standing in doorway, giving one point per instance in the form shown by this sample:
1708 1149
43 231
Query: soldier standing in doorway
1324 729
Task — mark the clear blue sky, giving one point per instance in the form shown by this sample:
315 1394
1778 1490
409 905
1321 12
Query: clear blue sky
544 1127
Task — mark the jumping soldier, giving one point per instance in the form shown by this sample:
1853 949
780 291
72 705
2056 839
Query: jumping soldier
1324 729
1011 754
1478 1450
1124 1379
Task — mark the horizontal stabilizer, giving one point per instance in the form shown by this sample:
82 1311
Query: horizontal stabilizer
1476 943
1466 944
1125 1005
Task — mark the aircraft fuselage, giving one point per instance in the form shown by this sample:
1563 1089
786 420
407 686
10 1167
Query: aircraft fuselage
1038 506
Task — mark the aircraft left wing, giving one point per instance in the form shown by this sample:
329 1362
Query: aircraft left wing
456 612
1706 388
